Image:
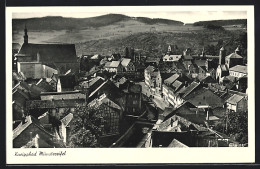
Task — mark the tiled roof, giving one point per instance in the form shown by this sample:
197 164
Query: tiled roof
190 88
239 68
150 69
30 120
114 64
234 55
50 52
234 99
171 79
67 119
107 64
125 62
187 57
200 62
176 85
205 97
176 143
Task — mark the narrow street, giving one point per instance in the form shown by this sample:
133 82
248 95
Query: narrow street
160 103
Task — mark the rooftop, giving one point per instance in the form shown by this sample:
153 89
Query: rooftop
239 68
234 99
50 52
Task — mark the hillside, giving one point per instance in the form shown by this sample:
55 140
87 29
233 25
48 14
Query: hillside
222 22
155 44
62 23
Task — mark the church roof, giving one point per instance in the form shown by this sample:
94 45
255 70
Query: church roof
234 55
50 52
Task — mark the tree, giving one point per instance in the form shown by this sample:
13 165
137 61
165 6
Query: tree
132 53
85 128
235 125
238 126
126 52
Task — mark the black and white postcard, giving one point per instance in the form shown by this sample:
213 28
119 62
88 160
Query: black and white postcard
135 84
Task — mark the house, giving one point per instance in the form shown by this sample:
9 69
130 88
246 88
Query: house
112 66
234 59
114 56
204 98
67 95
110 112
19 103
35 70
148 73
221 72
62 56
133 100
237 103
137 136
44 85
171 58
126 67
152 61
30 129
222 69
66 83
238 71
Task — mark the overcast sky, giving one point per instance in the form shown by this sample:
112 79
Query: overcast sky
184 16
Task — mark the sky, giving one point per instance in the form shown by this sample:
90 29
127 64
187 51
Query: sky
188 16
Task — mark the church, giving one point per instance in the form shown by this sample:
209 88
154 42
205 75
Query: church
227 62
61 57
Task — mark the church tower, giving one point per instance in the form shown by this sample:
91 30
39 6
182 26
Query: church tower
222 55
25 37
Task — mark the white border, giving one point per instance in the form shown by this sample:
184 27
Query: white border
135 155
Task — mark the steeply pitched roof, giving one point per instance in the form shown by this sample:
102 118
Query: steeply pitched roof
234 99
50 52
176 85
234 55
187 57
150 69
67 119
200 62
30 120
114 64
125 62
239 68
190 88
205 97
176 143
171 79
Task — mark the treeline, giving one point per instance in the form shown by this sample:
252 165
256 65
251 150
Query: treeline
158 21
222 22
214 27
63 23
